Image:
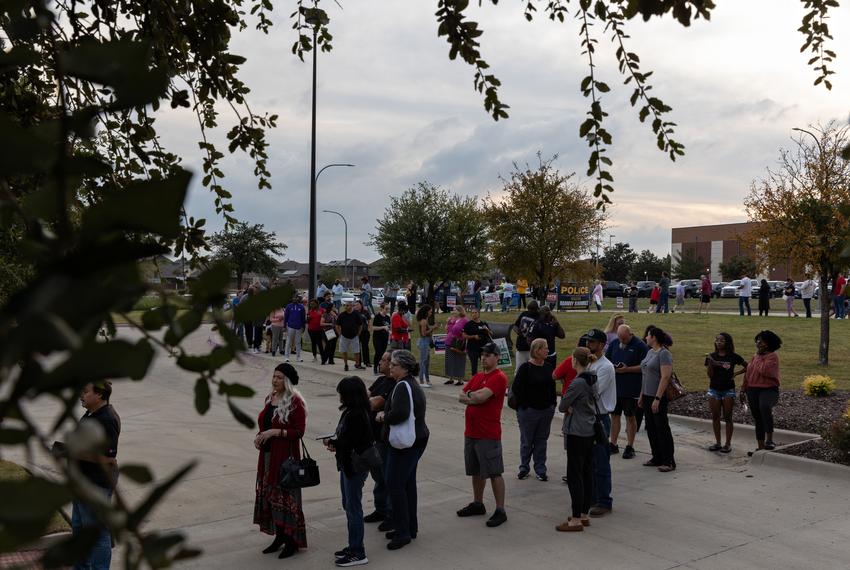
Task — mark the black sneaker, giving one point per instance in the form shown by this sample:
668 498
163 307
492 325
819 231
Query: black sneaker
629 452
498 518
613 448
386 526
523 474
351 560
472 509
341 552
374 517
543 477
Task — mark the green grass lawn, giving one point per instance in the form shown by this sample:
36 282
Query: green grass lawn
693 336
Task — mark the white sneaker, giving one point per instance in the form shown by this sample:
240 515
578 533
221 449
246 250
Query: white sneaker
286 360
300 360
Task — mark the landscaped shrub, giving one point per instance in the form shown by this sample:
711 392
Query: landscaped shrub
838 434
818 385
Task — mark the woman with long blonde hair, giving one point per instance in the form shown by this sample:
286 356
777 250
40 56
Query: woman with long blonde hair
281 425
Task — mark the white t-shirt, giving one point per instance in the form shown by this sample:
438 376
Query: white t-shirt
606 384
746 289
508 288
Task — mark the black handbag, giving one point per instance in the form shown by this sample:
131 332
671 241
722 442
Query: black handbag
368 461
299 473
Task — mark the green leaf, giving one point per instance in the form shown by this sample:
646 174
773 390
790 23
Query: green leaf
147 206
137 472
28 150
202 396
240 416
31 500
137 517
182 326
235 390
101 361
122 64
18 56
211 285
258 306
13 436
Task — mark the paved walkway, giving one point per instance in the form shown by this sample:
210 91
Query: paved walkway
715 511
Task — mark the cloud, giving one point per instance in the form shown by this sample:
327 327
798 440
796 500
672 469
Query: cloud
391 102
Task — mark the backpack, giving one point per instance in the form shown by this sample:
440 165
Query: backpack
526 328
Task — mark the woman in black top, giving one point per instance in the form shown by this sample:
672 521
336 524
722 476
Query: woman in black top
720 367
476 333
764 297
533 390
402 463
380 334
547 327
353 436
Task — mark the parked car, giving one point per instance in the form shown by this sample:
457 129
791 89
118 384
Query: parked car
612 289
691 288
717 287
645 288
731 289
777 288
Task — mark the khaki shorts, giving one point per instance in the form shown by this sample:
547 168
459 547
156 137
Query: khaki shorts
483 457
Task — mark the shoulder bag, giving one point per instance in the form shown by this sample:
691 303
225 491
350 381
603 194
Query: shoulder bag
403 435
368 460
298 473
599 436
674 390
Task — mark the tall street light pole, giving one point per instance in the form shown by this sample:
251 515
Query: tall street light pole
315 18
346 238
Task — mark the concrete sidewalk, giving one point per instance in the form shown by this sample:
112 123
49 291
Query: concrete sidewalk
715 511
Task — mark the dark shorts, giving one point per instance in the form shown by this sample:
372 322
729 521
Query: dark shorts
705 299
653 302
483 457
625 406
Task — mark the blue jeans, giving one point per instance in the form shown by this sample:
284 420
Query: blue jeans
742 302
838 301
534 428
352 495
401 481
100 556
380 494
602 468
663 302
505 302
424 345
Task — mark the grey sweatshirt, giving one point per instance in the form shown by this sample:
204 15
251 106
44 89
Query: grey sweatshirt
580 396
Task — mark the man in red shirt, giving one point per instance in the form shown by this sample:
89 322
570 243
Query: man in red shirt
484 396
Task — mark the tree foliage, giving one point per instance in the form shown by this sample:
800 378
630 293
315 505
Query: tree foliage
737 266
802 210
247 249
649 266
86 194
540 223
687 264
617 262
428 234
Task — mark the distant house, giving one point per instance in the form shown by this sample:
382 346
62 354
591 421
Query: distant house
170 274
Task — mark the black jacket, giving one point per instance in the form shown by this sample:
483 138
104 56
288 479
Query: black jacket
353 433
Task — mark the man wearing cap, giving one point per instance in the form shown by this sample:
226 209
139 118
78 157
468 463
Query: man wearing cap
606 389
484 397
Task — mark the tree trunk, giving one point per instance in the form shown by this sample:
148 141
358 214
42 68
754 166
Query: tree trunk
825 303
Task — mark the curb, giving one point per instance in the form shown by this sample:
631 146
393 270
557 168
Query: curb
801 465
786 436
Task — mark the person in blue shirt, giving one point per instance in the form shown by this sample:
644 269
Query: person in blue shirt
295 320
626 354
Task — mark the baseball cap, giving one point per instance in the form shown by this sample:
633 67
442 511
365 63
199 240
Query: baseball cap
490 348
595 334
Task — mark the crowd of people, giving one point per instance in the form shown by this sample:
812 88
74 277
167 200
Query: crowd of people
610 373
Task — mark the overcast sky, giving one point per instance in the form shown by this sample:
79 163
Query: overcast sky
392 103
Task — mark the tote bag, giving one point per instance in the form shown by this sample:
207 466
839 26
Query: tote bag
403 435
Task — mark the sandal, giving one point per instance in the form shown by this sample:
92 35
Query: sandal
666 468
770 446
725 449
715 447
